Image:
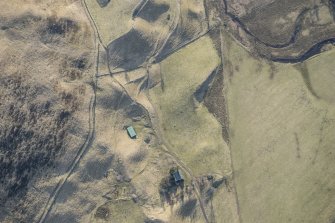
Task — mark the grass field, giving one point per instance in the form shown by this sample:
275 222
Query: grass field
282 138
113 20
189 129
321 72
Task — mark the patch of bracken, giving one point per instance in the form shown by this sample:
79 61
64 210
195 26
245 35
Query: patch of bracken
32 132
54 28
139 156
22 22
80 63
168 189
188 208
60 27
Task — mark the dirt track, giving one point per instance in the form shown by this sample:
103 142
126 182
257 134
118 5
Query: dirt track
88 142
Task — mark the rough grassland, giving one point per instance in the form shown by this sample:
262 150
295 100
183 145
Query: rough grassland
282 140
189 129
47 59
321 71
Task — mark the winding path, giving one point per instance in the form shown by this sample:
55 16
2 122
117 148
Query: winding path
165 149
89 139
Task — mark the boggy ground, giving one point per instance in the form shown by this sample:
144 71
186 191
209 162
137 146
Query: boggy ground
283 31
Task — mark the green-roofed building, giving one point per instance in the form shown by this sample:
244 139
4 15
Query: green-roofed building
131 132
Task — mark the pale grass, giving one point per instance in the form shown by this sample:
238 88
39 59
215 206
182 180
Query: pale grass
282 141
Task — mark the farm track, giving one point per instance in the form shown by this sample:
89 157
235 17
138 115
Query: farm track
93 24
167 55
79 156
141 4
166 148
229 146
156 128
89 139
173 27
312 51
